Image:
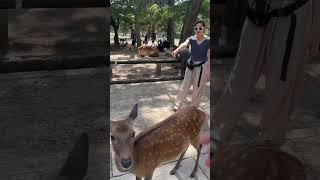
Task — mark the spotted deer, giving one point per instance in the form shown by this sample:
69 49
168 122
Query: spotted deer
148 51
255 162
164 142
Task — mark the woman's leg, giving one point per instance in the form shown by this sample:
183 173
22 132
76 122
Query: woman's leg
199 81
184 87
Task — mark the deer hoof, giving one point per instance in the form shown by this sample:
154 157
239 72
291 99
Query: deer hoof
193 174
173 172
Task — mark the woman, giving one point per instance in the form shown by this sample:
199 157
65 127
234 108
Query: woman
198 71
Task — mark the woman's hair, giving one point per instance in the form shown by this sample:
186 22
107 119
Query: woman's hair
201 22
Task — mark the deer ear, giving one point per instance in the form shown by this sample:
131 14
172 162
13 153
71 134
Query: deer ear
134 112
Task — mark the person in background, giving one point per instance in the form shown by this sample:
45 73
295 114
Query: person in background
133 37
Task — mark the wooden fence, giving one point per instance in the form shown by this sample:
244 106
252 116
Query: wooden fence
158 61
16 4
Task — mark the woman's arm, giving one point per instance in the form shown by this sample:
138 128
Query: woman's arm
208 55
182 45
209 65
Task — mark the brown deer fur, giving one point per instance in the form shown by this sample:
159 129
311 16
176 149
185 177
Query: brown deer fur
148 51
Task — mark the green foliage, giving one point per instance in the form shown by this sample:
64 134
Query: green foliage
123 10
181 7
204 13
156 15
154 12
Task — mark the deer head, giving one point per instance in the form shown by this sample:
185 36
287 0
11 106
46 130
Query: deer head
122 140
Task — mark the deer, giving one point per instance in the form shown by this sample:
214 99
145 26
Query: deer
165 141
255 161
148 51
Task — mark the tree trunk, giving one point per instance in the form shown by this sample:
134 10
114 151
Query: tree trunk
139 4
115 25
153 29
137 26
190 19
170 26
149 33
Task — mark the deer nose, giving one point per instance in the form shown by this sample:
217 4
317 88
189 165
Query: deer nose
126 163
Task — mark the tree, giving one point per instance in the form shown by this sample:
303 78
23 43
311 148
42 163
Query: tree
165 16
157 15
122 13
190 19
137 12
115 23
204 13
170 26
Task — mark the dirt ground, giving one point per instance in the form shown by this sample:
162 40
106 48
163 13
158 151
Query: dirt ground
42 115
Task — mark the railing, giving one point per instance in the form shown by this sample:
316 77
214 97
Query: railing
158 77
215 63
64 3
11 4
16 4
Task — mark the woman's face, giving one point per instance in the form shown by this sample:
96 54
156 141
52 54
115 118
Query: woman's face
199 29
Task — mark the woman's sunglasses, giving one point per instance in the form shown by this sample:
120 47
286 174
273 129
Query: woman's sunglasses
200 28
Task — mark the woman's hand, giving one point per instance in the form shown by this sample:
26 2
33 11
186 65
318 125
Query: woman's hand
174 54
184 44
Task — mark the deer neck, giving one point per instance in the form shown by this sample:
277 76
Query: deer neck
136 160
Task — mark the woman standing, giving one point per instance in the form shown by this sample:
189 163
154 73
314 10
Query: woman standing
198 71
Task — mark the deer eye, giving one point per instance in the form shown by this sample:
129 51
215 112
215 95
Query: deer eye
133 133
112 138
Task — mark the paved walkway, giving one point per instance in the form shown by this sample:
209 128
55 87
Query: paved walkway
155 105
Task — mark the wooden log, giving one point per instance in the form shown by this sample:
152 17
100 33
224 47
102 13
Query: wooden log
64 3
140 61
158 70
147 80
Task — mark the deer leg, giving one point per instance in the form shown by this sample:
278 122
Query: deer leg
138 178
194 172
196 144
149 177
174 170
